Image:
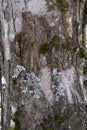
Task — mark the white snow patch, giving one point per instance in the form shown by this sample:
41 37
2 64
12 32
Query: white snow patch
54 71
12 123
37 7
0 127
37 96
11 37
3 81
25 90
14 109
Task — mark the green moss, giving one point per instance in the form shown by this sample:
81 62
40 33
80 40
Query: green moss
63 5
85 69
83 53
15 119
55 42
57 46
55 39
85 82
85 15
12 128
44 48
61 120
50 128
74 49
55 62
17 38
75 1
21 37
26 15
50 119
24 36
42 126
67 46
14 81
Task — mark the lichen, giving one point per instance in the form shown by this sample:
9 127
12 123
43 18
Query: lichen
31 84
80 37
17 71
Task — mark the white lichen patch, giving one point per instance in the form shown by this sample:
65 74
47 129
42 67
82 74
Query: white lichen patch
64 87
58 86
37 7
60 91
18 70
31 84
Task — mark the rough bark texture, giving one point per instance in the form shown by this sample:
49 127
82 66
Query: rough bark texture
43 59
